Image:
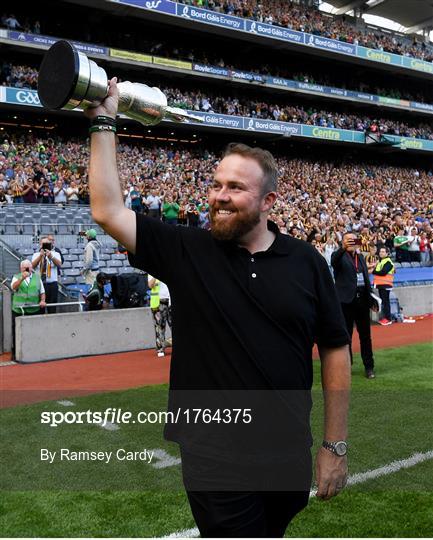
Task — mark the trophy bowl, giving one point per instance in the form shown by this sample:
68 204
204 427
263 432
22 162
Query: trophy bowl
69 79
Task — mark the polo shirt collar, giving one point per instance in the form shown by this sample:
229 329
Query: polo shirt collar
279 246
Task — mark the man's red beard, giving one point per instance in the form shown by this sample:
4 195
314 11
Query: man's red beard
232 227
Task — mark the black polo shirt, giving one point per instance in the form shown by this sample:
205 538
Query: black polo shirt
242 321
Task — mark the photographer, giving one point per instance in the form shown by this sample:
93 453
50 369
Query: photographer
48 261
354 291
96 295
29 295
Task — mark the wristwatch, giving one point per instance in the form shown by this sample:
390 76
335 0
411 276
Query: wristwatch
339 448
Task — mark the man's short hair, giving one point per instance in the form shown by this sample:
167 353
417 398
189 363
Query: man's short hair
264 158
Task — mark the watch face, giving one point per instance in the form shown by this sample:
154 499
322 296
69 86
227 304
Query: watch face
341 448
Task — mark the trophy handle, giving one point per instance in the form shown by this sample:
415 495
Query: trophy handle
180 115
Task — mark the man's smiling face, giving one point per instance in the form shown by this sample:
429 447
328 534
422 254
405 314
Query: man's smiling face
235 197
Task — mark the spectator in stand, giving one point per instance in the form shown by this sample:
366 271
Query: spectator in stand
192 214
60 193
72 194
414 245
48 262
153 204
83 193
136 203
12 23
371 258
170 210
425 248
401 244
203 217
329 247
45 193
30 192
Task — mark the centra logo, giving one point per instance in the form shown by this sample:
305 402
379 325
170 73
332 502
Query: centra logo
326 134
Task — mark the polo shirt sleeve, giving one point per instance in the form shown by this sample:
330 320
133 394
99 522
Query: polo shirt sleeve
330 326
158 248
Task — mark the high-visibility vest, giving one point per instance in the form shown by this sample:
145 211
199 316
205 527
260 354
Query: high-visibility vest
154 296
384 280
27 294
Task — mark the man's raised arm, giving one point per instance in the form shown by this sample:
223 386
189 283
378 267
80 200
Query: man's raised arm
106 201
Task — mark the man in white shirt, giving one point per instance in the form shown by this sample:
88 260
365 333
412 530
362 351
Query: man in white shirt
48 261
72 193
59 193
153 203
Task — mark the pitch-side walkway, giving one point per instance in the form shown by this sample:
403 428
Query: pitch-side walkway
30 383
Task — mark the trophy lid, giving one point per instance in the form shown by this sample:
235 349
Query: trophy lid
58 75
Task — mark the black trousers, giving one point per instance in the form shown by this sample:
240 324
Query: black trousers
51 295
245 513
386 306
358 312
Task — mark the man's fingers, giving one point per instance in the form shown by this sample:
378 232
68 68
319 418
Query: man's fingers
330 488
322 489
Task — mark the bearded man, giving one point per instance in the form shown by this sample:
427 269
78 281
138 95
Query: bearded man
248 304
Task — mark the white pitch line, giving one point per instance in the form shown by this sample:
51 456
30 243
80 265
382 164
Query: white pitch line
392 467
9 363
109 426
164 459
187 533
357 478
66 403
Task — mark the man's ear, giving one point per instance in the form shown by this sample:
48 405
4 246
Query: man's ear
268 201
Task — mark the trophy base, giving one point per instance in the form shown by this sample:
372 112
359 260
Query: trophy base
58 75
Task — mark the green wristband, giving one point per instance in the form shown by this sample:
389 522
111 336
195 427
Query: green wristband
100 128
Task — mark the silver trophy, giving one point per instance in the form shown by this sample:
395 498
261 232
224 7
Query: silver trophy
68 79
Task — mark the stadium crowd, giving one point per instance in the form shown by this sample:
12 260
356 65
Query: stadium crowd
317 201
298 114
289 14
25 77
285 13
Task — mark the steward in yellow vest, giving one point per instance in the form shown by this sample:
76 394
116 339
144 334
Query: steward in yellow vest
384 272
383 281
154 295
28 291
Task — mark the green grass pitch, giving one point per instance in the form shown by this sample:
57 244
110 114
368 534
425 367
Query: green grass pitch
390 419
